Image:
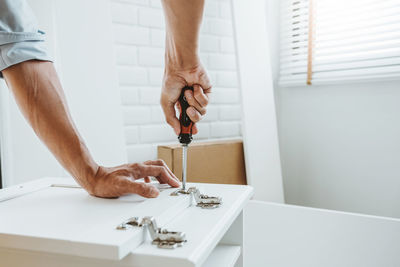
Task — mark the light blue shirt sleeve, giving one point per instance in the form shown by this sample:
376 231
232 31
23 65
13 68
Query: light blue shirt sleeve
20 37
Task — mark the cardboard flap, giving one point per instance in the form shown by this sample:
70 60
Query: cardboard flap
218 162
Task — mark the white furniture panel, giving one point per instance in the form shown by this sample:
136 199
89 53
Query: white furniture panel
223 255
260 134
285 236
53 222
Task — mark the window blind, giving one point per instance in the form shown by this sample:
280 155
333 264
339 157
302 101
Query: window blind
328 41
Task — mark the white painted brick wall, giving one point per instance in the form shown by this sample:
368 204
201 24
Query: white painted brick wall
132 75
151 17
129 95
126 55
122 13
131 34
226 79
230 113
139 38
149 95
151 57
224 129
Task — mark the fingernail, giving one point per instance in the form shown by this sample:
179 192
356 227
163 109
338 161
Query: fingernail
154 192
175 182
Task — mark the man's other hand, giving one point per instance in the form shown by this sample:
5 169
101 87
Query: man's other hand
120 180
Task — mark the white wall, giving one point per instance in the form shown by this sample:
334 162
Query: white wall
139 35
83 52
89 67
340 144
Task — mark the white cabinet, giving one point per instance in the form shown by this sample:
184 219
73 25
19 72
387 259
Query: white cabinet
280 235
52 222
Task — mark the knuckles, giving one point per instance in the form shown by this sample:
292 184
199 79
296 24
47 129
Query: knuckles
160 162
203 111
147 190
135 165
169 120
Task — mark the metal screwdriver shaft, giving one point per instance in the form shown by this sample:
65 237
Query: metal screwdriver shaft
185 136
184 164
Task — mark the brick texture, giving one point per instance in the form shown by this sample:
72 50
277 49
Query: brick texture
139 36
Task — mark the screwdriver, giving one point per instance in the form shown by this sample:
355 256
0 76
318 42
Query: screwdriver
185 136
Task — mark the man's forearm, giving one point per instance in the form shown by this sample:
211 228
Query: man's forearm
182 64
39 94
183 21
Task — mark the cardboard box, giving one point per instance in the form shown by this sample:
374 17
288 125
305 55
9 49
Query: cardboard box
219 162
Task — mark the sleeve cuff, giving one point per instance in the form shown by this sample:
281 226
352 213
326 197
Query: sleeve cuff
15 37
14 53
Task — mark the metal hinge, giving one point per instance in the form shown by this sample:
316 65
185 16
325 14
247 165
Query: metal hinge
202 201
161 237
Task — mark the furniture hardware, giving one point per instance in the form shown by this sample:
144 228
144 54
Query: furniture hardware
162 238
202 201
131 222
86 232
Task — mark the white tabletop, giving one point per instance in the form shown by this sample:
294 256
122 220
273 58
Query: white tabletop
66 220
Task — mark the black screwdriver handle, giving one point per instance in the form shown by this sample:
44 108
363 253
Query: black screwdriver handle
185 137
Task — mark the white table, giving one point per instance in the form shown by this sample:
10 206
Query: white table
49 222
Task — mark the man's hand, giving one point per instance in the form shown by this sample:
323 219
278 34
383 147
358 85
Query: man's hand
182 64
174 80
118 181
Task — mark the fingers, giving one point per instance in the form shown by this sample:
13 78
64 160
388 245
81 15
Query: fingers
190 97
122 185
205 84
193 114
200 95
170 115
197 101
142 189
194 129
161 174
160 162
160 170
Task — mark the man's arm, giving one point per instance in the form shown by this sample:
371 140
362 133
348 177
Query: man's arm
39 94
182 63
